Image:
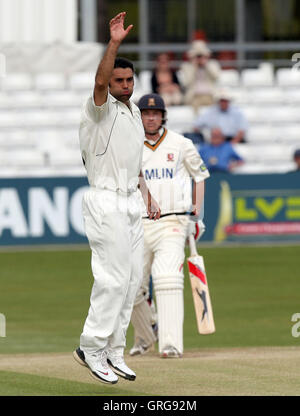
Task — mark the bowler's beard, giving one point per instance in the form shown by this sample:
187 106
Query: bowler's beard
123 98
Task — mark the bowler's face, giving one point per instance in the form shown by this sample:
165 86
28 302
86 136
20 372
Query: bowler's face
121 84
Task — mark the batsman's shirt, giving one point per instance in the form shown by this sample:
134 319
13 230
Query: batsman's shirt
111 142
169 165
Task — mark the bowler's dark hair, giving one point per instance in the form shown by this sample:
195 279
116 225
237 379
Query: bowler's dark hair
123 63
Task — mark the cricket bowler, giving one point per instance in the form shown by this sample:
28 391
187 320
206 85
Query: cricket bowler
111 141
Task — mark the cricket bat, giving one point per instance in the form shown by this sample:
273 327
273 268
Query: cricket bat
202 302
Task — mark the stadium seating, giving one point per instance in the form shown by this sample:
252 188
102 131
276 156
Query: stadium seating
292 96
16 82
266 96
287 77
20 100
12 139
180 118
145 81
256 78
65 158
289 134
40 115
271 114
61 99
22 159
50 81
264 153
229 78
82 81
259 168
261 133
7 119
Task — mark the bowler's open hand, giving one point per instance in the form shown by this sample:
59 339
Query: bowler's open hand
117 31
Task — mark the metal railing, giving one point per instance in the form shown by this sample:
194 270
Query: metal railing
239 46
241 50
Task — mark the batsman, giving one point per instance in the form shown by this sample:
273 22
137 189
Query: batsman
171 165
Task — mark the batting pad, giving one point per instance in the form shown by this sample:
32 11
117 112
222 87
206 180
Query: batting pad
141 319
170 319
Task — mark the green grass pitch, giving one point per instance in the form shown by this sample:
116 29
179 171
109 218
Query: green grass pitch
44 296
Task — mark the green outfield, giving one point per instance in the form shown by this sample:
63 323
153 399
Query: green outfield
44 296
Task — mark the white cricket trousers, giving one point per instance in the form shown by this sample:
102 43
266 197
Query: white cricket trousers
114 229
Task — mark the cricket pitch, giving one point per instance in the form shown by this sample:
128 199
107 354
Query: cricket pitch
262 371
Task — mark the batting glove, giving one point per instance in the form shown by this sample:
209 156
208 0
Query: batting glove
196 228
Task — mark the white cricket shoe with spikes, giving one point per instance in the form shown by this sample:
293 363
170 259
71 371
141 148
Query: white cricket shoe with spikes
117 364
97 364
170 352
139 349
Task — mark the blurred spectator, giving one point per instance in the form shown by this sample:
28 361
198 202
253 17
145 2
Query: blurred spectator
297 160
219 155
229 118
165 82
199 76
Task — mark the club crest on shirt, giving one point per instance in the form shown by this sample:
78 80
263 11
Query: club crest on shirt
170 157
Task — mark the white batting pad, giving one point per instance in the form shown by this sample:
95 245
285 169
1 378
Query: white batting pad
170 318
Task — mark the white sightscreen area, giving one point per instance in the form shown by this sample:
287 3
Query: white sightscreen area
38 21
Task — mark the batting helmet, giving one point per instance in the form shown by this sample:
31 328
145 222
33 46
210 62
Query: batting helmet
153 102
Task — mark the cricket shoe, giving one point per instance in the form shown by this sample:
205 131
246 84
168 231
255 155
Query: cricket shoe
98 366
139 349
170 352
118 365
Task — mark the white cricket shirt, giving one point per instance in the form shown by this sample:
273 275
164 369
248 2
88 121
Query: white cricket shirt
169 165
111 142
